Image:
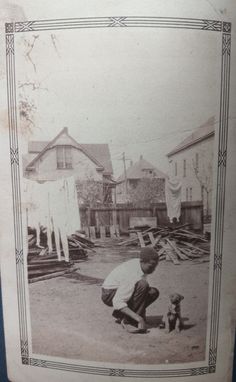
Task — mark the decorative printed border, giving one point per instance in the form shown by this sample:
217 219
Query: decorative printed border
103 22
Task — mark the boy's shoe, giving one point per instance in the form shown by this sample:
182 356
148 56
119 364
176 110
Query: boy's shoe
130 328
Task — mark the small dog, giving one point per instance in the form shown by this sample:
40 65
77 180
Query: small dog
173 319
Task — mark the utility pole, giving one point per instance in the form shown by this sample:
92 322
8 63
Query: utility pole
125 173
124 159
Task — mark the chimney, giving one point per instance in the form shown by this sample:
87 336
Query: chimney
65 130
141 157
131 163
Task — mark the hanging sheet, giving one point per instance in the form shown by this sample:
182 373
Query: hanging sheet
54 206
173 198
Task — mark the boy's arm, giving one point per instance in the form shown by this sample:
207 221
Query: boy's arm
129 312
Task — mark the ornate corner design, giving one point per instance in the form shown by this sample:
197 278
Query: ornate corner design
19 256
37 362
227 27
24 348
14 153
9 27
25 26
222 155
212 369
200 371
10 44
117 373
218 261
212 25
25 360
117 22
226 44
212 357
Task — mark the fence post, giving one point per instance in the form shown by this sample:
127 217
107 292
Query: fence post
97 219
89 216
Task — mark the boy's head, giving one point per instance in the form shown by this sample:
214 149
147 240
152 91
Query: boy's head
148 260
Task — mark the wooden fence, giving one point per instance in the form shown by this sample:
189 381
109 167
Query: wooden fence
191 212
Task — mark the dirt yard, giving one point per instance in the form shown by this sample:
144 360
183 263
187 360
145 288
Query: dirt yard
70 320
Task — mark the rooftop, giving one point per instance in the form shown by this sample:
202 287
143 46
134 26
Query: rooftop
137 170
99 151
202 132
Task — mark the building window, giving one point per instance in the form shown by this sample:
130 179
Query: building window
176 169
187 193
197 162
64 157
190 194
184 168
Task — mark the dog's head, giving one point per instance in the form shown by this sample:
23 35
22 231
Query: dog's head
176 298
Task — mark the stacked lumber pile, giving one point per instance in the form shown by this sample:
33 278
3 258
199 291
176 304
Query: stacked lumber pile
43 265
174 244
79 244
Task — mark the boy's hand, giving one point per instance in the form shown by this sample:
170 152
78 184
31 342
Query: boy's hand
142 324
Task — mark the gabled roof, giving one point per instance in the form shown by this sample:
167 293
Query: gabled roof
101 152
37 146
202 132
98 153
136 171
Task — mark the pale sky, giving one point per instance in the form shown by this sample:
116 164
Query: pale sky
140 90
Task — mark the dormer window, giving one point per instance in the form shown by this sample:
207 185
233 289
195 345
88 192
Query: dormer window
64 157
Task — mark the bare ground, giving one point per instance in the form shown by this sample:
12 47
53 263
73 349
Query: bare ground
70 320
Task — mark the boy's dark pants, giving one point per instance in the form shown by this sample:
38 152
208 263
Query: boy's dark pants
142 296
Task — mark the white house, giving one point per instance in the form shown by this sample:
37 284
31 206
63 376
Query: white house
63 156
192 162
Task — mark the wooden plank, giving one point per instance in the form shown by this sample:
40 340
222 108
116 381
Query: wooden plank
46 277
45 270
133 235
140 237
139 221
43 252
171 254
92 232
200 237
168 257
112 231
195 247
86 230
117 230
161 252
50 266
126 242
39 262
157 239
102 232
151 237
188 253
173 245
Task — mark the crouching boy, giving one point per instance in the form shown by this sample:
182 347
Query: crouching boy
126 289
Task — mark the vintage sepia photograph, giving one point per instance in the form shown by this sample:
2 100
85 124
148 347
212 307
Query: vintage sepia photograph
119 130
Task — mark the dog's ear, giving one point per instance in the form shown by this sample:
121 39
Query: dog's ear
181 297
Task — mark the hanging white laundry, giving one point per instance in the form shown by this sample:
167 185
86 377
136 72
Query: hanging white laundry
173 198
53 205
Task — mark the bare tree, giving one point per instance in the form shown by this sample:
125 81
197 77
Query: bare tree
27 88
147 191
90 192
204 175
